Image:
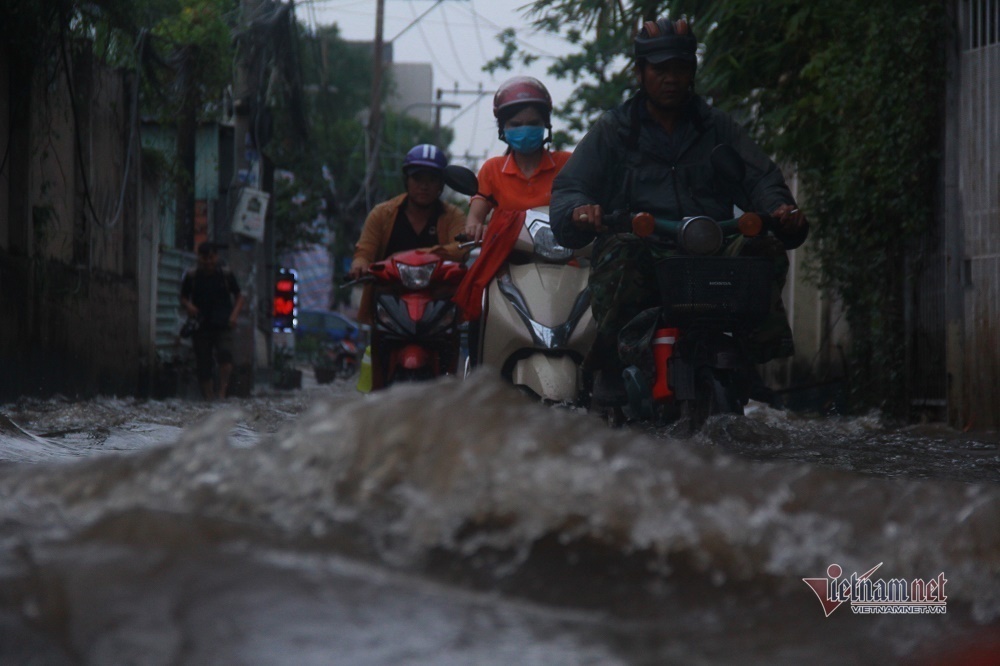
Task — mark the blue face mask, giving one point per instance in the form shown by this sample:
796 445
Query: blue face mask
525 139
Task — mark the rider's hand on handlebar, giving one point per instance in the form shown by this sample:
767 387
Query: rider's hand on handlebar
589 217
359 267
474 230
789 218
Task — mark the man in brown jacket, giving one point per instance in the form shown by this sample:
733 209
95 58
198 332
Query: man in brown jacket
416 219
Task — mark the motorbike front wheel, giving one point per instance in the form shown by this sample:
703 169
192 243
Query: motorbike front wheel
324 375
712 397
346 366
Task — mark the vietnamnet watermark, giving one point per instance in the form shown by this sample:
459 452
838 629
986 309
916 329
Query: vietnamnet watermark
869 596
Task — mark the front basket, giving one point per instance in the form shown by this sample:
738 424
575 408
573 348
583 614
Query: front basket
731 291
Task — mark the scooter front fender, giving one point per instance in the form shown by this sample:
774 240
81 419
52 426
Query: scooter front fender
554 378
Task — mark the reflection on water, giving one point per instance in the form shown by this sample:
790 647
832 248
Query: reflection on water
458 523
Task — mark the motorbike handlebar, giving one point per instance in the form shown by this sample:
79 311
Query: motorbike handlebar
465 242
698 235
747 224
364 279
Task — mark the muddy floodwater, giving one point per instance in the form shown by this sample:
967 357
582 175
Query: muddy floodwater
459 523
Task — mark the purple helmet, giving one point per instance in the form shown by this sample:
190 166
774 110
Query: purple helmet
425 156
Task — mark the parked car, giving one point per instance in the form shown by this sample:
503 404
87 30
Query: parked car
326 326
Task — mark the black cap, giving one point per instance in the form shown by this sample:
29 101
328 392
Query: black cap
659 41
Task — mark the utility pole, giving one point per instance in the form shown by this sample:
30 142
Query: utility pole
375 110
456 91
244 254
478 92
437 118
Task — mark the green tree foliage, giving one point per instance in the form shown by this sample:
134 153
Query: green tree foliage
849 92
330 168
601 32
195 36
199 33
38 29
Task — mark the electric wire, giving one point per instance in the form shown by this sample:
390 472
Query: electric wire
10 140
345 3
538 51
466 109
76 128
415 20
140 45
430 52
454 50
475 123
476 30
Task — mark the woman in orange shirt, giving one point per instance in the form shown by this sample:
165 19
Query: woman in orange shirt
522 177
519 179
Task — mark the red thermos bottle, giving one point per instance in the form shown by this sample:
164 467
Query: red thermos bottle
663 349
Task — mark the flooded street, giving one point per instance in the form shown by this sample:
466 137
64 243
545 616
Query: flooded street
458 523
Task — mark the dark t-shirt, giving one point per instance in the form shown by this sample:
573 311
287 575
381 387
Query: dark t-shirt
213 294
403 236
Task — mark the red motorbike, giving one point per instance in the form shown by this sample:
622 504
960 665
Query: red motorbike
415 333
336 360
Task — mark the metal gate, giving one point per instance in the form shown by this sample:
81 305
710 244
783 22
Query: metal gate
978 181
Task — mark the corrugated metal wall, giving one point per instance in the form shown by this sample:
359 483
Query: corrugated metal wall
979 194
172 264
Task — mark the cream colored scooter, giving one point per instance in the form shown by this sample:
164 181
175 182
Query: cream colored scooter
537 327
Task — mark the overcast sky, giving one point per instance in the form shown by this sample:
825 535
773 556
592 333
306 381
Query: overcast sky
457 37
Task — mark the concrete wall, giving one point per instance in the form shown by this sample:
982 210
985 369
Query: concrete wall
818 327
69 307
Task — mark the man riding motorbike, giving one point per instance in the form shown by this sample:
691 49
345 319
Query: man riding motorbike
415 219
652 154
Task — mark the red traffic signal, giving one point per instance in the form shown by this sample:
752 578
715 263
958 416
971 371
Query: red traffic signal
286 300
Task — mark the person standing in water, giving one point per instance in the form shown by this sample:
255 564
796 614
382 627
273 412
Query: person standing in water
211 296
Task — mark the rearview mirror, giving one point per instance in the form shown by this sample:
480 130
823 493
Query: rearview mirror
461 179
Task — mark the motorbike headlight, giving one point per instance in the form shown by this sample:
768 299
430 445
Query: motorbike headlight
700 235
545 242
416 277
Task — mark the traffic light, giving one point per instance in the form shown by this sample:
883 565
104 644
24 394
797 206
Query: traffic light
286 300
